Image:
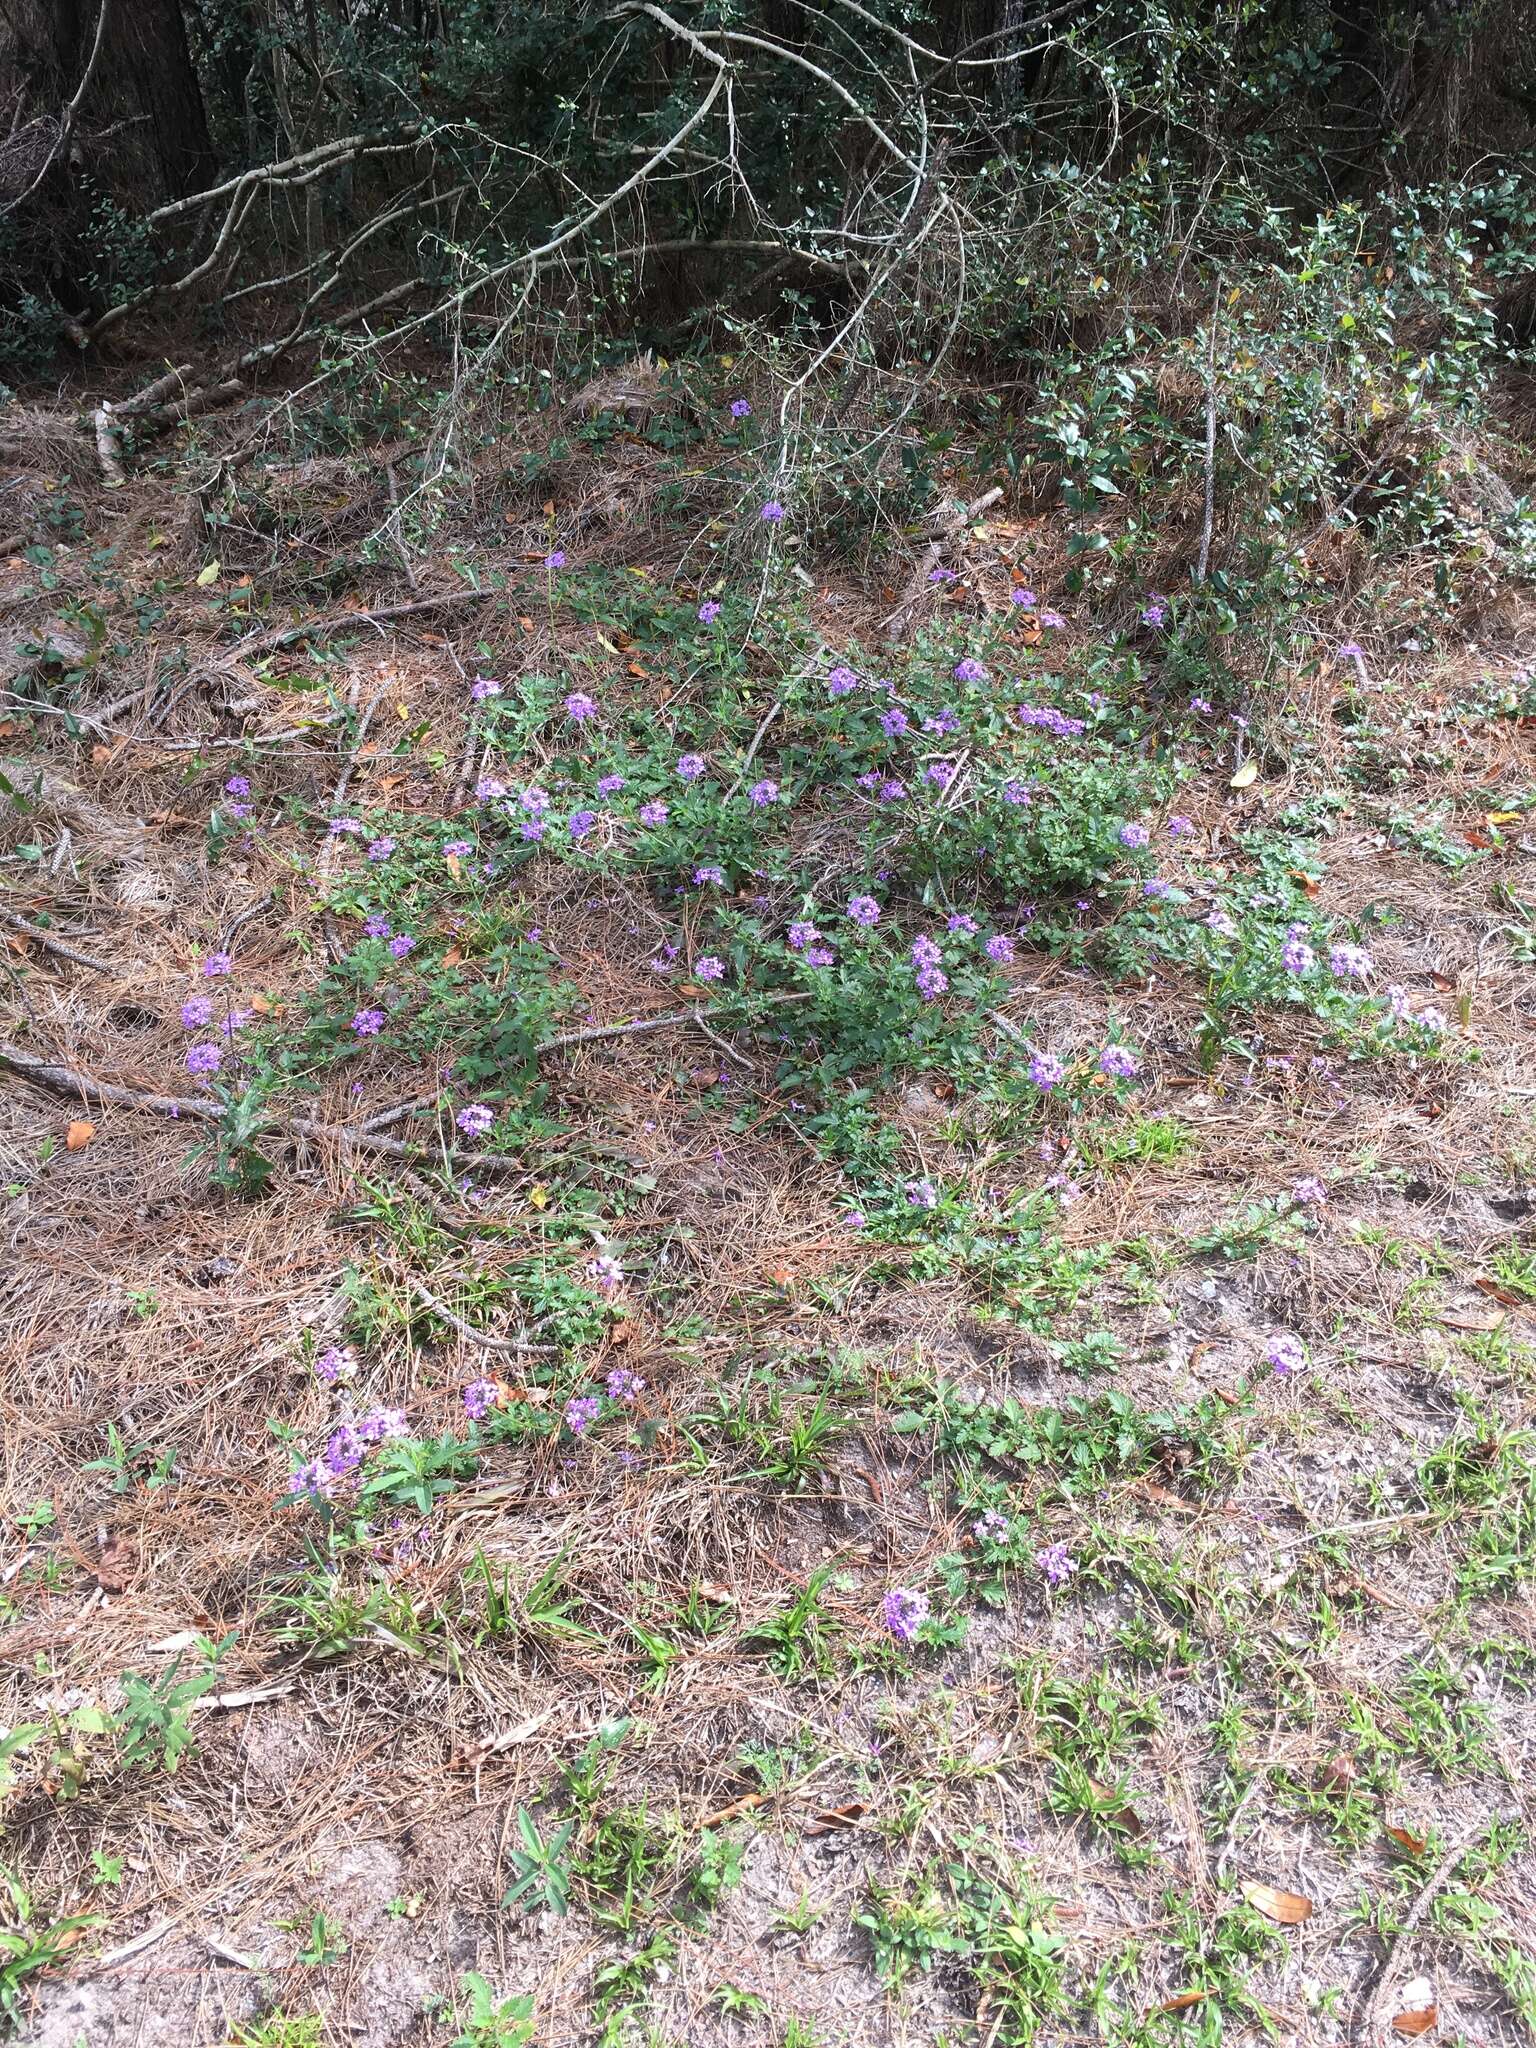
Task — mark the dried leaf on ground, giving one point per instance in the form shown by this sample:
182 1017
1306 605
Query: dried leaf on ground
1287 1909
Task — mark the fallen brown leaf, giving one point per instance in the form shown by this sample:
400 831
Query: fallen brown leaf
1414 1844
1287 1909
1486 1284
1467 1321
79 1135
1417 2022
1183 2001
835 1819
116 1563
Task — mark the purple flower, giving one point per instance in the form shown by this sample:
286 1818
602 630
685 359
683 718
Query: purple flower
380 850
801 934
580 707
531 829
1056 1563
1155 611
943 576
1052 621
864 910
1350 651
339 826
475 1119
922 1194
709 611
691 766
489 788
376 925
1350 963
217 963
1296 956
609 785
931 983
943 721
904 1610
1180 828
1309 1192
459 849
820 956
581 1410
740 410
1119 1063
1156 887
961 921
894 723
195 1012
535 799
1022 597
1201 707
1220 923
991 1526
1016 792
237 785
891 792
1133 835
555 559
1285 1353
711 874
1000 948
335 1363
969 671
709 968
581 823
761 793
368 1023
772 512
605 1272
939 771
204 1059
401 944
841 681
653 813
479 1399
624 1385
482 687
925 953
1046 1071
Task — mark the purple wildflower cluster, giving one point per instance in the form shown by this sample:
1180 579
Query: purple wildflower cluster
605 1272
903 1611
1285 1353
1056 1564
339 1463
1050 720
581 1411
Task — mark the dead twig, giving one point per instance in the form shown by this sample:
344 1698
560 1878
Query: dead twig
1374 1998
516 1346
51 944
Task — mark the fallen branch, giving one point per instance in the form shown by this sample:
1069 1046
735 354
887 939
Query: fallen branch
50 944
339 622
62 1080
515 1345
106 447
939 537
1373 2000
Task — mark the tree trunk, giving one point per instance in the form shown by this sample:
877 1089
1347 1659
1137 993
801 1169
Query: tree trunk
137 137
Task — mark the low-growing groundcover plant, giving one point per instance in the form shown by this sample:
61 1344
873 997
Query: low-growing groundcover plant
774 1315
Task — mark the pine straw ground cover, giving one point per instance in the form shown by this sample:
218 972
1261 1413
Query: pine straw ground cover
949 1495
